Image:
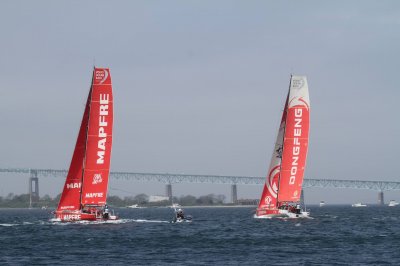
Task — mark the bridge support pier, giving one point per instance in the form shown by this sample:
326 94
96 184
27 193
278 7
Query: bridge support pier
234 193
168 191
381 200
33 187
302 203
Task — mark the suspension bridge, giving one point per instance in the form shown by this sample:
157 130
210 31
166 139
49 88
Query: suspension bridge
169 179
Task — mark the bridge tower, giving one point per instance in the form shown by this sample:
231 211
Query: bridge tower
168 191
381 200
33 187
234 193
302 202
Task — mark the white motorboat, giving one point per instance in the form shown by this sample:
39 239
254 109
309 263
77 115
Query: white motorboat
180 217
134 206
322 203
358 204
393 203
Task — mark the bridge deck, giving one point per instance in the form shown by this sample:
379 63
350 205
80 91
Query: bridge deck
216 179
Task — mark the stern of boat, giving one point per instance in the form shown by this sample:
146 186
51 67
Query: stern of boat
266 213
73 216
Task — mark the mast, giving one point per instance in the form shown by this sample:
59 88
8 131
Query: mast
284 115
86 139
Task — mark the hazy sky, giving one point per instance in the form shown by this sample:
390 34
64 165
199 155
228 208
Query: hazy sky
199 87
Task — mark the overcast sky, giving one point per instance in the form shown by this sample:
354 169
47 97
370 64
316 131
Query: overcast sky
199 87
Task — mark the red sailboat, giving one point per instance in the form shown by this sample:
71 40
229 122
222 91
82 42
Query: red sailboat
283 186
85 190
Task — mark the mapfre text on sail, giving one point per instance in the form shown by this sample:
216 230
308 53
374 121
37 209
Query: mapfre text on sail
103 115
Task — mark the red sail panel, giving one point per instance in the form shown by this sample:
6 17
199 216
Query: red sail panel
295 141
99 140
269 195
70 197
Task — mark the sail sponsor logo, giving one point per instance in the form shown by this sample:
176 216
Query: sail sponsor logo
299 101
73 185
103 123
94 195
101 76
272 181
297 83
67 207
298 114
97 179
71 217
268 200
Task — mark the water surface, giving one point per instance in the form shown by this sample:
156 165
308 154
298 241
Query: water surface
338 235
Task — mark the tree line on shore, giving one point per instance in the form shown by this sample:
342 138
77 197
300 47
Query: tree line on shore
24 201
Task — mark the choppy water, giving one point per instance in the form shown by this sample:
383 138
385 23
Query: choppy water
338 235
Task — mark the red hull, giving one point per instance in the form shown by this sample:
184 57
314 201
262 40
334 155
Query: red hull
262 212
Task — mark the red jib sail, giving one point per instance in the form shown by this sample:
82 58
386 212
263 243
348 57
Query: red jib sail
70 197
99 140
295 145
87 178
269 197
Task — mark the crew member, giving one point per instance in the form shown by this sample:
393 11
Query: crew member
179 214
106 213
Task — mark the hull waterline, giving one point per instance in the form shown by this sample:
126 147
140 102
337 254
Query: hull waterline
82 216
282 214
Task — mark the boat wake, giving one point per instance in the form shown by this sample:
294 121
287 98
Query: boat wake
149 221
120 221
282 217
9 225
262 217
295 218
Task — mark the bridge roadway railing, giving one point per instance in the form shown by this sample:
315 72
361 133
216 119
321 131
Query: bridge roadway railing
355 184
217 179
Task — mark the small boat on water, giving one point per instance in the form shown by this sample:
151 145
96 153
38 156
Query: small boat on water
393 203
180 217
85 190
134 206
322 203
281 196
358 204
